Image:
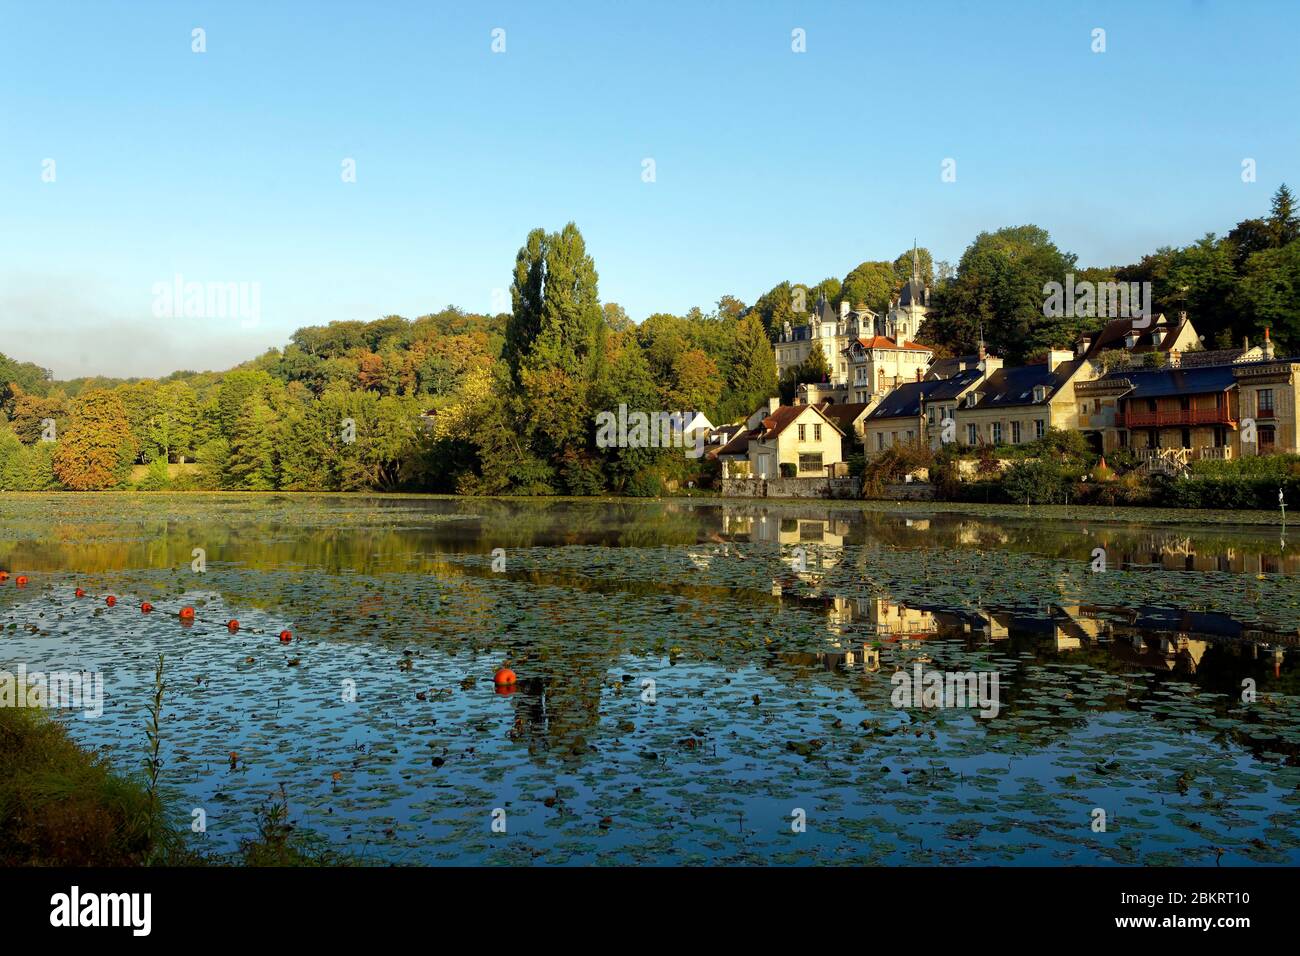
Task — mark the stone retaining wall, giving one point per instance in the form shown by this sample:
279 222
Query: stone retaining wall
791 487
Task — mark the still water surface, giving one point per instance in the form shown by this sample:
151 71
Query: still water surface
696 676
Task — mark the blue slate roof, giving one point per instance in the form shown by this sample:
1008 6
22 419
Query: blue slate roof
905 401
1160 382
1008 387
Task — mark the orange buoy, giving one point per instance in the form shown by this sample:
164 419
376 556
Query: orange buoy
80 593
232 626
504 677
21 580
4 576
146 607
187 613
286 637
110 600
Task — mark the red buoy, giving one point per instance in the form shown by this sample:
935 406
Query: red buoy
187 614
286 637
146 607
110 600
4 576
232 626
21 580
504 677
80 593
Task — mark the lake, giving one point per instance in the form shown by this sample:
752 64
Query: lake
700 680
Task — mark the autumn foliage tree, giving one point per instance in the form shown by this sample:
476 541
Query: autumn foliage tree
96 450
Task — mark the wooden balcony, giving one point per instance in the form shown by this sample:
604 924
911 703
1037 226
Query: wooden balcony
1135 418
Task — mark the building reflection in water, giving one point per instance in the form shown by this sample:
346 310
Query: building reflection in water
810 541
1157 639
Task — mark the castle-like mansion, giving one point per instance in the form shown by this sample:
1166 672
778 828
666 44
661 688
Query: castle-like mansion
867 354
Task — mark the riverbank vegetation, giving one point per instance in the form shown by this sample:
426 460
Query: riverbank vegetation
1060 469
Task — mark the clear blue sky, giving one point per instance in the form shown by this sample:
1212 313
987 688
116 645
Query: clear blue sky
225 166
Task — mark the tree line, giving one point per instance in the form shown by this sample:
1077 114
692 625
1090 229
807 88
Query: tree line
450 402
504 404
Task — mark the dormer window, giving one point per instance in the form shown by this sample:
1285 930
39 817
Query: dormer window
1083 345
972 399
1040 393
1130 340
1158 335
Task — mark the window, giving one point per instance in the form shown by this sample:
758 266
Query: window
810 462
995 432
1267 436
972 435
1265 403
1015 433
802 436
1040 393
880 441
1040 428
817 432
931 415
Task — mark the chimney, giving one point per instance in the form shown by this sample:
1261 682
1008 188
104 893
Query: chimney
1268 346
1058 357
844 308
982 353
1175 358
773 403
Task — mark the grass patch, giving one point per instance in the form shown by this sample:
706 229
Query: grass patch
63 806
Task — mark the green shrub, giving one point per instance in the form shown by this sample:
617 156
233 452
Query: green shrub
1224 493
1042 482
1257 466
891 465
582 474
644 484
789 469
156 477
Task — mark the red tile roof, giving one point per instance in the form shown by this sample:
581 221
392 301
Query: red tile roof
885 342
784 417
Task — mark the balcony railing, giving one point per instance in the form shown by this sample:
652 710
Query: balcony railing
1134 418
1182 455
